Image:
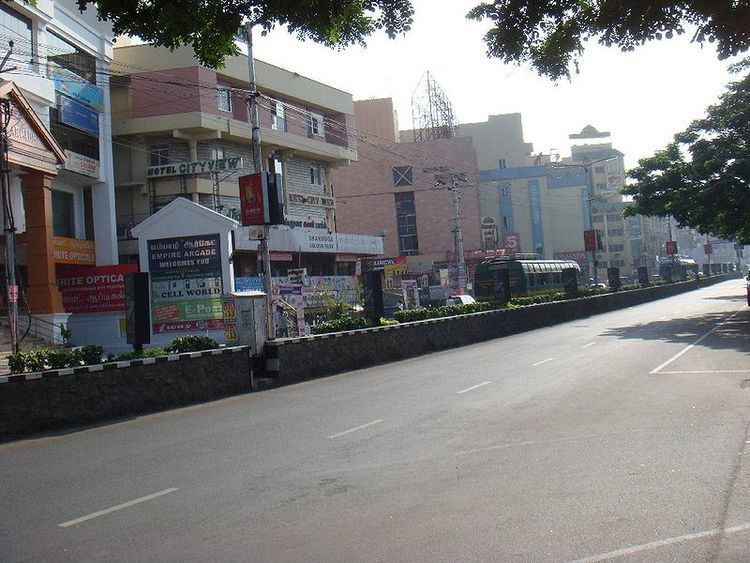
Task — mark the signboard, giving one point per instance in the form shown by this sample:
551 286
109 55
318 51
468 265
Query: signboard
380 263
81 164
297 276
197 167
253 203
579 256
708 248
79 116
186 283
489 232
229 316
98 289
75 88
512 241
671 247
311 199
249 283
486 253
74 251
589 240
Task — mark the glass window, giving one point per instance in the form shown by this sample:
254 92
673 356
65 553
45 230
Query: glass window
597 218
501 163
62 214
278 116
65 54
224 99
217 153
403 176
316 175
406 222
315 127
599 169
159 154
18 28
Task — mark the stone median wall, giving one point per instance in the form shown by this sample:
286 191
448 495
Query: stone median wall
299 359
33 402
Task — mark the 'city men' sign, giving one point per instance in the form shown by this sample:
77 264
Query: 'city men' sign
198 167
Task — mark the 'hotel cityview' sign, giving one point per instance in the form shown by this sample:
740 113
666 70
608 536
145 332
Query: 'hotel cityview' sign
198 167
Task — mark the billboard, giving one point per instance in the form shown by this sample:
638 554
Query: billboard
97 289
253 203
186 283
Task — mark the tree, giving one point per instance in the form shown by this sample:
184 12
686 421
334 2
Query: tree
210 26
551 34
702 178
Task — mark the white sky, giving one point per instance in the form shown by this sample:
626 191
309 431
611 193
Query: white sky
642 98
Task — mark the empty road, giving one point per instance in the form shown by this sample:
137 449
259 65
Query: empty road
621 436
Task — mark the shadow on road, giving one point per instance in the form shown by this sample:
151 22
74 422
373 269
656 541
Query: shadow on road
733 334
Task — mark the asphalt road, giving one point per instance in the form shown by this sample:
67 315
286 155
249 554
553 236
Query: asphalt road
620 436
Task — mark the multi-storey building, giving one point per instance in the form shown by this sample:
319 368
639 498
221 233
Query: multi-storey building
169 111
400 191
61 177
498 141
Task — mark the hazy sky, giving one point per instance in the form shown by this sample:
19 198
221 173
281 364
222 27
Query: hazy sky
642 98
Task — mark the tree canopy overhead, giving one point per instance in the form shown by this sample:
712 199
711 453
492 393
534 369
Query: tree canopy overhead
210 26
551 34
702 178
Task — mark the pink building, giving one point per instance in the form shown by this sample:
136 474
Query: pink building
391 191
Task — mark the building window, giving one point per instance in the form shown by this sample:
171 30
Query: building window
224 99
217 153
615 232
18 28
278 117
316 175
614 217
62 214
63 53
406 222
315 127
501 164
159 154
597 218
616 247
505 191
599 169
403 176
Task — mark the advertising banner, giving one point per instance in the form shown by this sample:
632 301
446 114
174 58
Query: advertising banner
253 206
81 164
79 116
186 283
76 251
589 240
93 289
512 241
83 92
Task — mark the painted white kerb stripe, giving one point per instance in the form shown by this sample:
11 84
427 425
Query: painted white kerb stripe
472 388
542 362
678 354
663 543
588 345
117 507
373 423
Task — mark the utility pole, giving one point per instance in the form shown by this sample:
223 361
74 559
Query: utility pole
255 138
458 235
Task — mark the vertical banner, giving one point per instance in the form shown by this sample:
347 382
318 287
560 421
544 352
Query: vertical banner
253 200
589 240
186 283
671 247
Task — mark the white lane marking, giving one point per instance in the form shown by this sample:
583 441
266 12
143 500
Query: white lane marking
663 543
705 371
363 426
588 345
542 362
472 388
117 507
678 354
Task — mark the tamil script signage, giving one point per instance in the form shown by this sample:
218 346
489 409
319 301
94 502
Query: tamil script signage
81 164
93 289
489 232
79 116
197 167
74 251
186 283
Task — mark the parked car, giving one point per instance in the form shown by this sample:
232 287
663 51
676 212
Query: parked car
460 300
598 286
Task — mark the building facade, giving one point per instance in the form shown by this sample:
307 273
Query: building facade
171 111
399 191
61 178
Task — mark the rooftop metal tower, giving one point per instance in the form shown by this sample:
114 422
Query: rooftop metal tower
431 111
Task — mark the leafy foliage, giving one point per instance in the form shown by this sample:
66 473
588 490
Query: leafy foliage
702 178
54 358
191 343
138 354
340 324
551 34
422 313
209 26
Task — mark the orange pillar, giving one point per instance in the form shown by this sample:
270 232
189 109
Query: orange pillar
44 296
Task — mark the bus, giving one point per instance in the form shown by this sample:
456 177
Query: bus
681 269
525 277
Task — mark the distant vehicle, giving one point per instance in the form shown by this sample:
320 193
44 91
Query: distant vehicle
598 286
460 300
681 269
526 277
